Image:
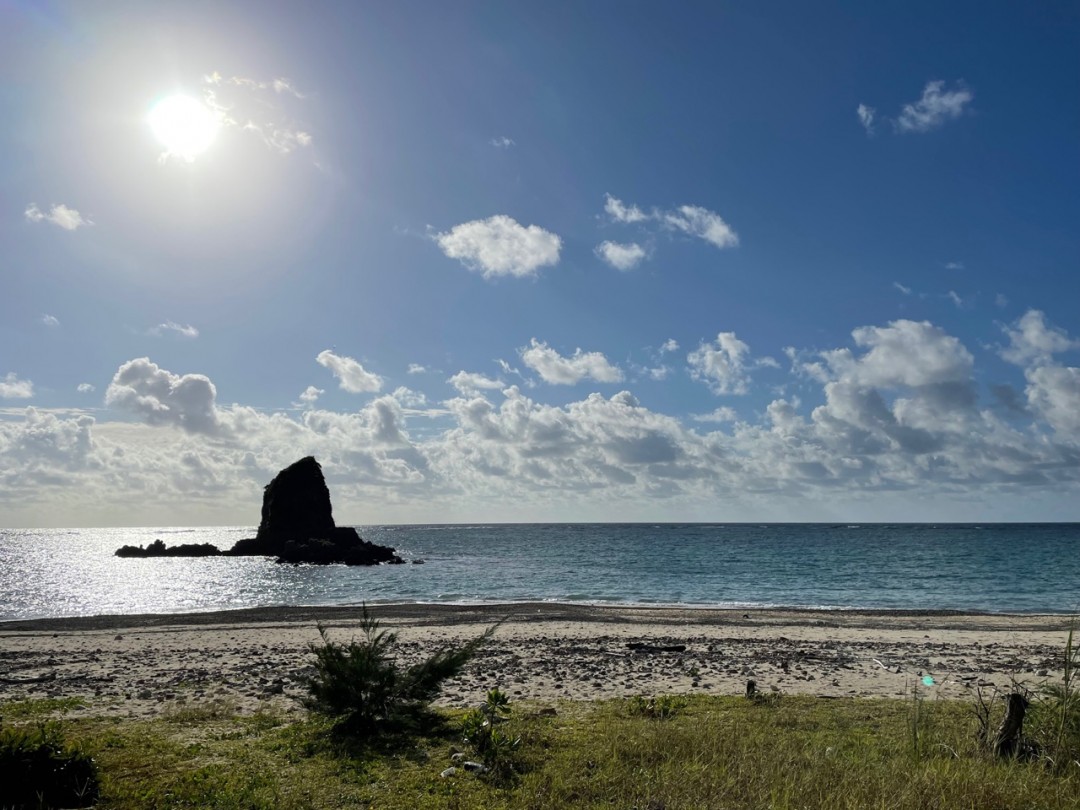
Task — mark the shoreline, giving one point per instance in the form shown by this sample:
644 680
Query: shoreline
542 653
294 613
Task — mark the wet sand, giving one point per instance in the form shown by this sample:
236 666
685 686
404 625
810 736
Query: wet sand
140 666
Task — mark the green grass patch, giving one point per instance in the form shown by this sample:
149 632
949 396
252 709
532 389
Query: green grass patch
795 752
39 708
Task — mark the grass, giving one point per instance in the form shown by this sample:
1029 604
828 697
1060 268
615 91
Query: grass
796 752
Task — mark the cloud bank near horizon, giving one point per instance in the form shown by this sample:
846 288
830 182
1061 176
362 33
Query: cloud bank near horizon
900 412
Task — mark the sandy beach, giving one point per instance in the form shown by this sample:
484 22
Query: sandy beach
139 666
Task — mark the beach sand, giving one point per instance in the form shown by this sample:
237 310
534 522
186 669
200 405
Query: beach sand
142 666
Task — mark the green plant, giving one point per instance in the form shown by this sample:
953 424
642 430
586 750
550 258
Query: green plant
1056 720
661 707
479 728
39 769
360 684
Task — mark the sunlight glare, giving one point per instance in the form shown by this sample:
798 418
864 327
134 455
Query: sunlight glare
185 126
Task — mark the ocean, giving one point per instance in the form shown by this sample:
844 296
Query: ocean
999 568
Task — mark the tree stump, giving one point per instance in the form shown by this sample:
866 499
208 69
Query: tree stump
1007 739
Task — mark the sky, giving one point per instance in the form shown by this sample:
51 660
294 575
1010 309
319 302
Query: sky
559 261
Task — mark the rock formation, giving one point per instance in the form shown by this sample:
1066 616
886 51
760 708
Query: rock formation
297 526
159 549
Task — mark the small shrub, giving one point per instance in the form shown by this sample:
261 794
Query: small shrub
1055 726
479 728
39 769
662 707
361 685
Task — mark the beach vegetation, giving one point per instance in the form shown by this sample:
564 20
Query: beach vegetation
360 684
483 729
40 768
660 707
716 752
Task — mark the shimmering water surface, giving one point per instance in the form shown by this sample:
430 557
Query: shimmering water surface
993 567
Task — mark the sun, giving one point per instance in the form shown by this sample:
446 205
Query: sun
185 126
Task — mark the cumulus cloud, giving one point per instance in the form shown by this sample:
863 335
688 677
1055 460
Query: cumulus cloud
866 118
501 142
416 368
903 353
310 395
499 246
954 265
11 387
352 376
725 365
50 320
902 288
621 256
558 370
722 414
1053 392
936 107
1033 340
409 398
85 388
702 223
468 382
60 215
183 330
159 397
620 212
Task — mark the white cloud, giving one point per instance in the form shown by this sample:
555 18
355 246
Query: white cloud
702 223
416 368
265 109
352 376
1054 393
11 387
669 345
468 382
183 330
310 395
558 370
936 106
162 398
501 142
1001 301
904 353
499 246
621 256
902 288
954 296
409 398
866 118
724 365
60 215
623 213
722 414
1033 340
50 320
85 388
954 265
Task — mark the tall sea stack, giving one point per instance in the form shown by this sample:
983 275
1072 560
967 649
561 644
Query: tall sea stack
298 523
297 526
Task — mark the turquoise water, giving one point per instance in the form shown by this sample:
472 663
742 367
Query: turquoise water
992 567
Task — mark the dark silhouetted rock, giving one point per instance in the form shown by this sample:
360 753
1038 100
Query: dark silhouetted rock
159 549
297 526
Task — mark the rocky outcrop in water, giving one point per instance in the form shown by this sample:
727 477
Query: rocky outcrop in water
159 549
297 526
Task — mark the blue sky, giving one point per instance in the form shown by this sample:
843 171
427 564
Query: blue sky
559 261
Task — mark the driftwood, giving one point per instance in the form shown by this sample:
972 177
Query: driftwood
751 689
1009 734
39 679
